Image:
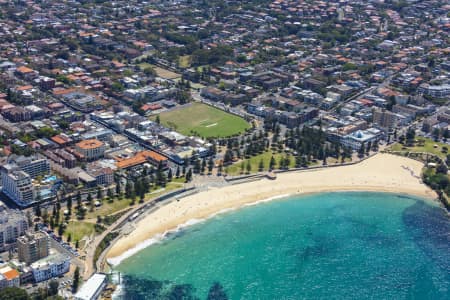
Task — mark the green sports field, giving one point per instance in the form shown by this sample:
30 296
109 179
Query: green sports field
204 121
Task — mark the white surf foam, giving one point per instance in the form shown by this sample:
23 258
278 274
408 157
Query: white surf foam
153 240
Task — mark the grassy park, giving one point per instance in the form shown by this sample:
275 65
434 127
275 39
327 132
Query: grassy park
204 121
160 72
423 145
184 61
79 229
235 169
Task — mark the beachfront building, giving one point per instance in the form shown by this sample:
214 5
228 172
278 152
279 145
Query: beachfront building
91 149
142 157
54 265
16 184
13 224
92 288
355 139
33 246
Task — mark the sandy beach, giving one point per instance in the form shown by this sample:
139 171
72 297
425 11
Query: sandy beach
382 172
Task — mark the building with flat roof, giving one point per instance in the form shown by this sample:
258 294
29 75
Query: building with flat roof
33 166
92 288
33 246
13 224
91 149
438 91
355 139
385 118
51 266
17 185
9 277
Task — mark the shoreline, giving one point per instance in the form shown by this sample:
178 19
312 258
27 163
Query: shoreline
380 173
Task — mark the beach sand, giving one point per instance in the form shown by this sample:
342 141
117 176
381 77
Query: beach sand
382 172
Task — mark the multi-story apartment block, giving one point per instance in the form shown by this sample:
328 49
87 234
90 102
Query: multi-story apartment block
13 224
438 91
16 184
32 247
384 118
33 166
90 149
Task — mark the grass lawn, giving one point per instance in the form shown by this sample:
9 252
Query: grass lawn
163 73
79 229
196 86
203 120
144 65
108 208
184 61
423 145
235 169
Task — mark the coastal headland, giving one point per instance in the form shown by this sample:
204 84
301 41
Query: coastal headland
380 173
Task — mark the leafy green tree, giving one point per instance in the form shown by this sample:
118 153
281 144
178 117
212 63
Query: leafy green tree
203 166
441 169
249 167
37 210
13 293
410 136
76 280
61 229
69 204
272 163
149 71
53 287
261 165
197 166
210 165
361 151
128 189
78 199
99 193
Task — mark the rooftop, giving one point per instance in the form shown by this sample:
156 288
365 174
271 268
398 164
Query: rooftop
90 287
89 144
140 158
56 258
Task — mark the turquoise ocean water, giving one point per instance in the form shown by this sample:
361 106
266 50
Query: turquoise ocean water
351 245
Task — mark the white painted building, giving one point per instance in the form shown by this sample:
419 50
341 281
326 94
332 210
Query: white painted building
92 288
16 184
51 266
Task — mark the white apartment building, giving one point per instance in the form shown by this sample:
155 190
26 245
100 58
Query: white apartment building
13 224
51 266
16 184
